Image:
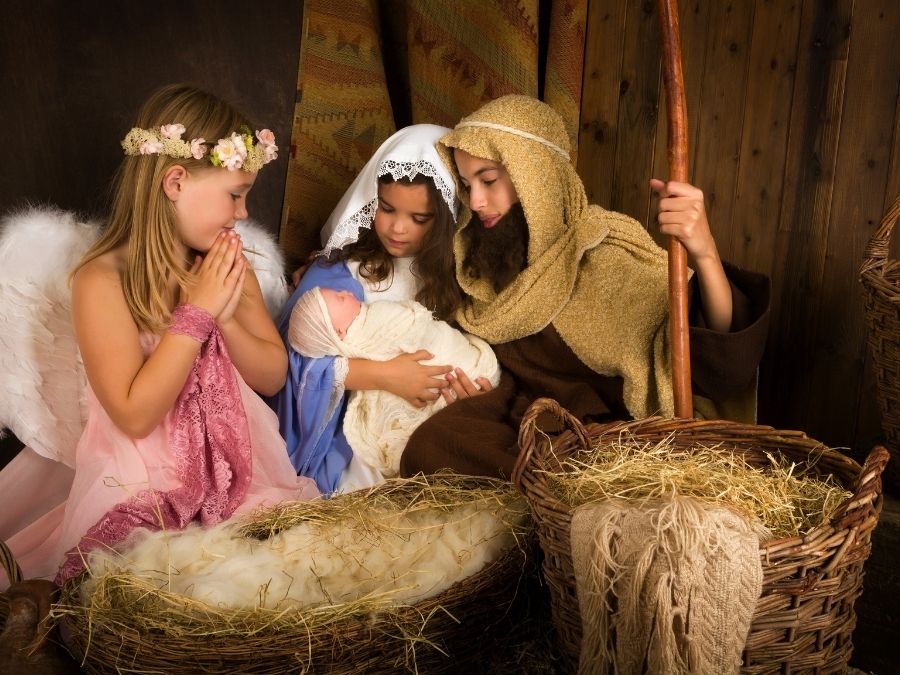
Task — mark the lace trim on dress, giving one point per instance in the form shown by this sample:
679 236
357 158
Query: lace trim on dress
341 368
347 231
210 439
193 321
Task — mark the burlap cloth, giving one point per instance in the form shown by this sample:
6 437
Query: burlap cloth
669 588
596 275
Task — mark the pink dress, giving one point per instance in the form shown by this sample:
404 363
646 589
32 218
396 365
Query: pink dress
112 468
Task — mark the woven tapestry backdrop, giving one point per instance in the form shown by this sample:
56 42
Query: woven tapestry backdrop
368 67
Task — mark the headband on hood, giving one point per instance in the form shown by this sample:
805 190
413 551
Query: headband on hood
597 276
408 153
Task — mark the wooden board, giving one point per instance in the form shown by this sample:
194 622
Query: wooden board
721 114
756 205
794 134
599 126
638 110
74 74
801 242
860 180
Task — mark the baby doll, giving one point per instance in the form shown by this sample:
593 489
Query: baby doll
377 423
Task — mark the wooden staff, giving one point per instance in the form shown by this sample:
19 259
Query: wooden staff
676 111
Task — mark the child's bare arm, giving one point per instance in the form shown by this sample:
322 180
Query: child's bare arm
403 375
137 393
682 214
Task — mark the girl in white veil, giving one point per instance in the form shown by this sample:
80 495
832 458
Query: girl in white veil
389 238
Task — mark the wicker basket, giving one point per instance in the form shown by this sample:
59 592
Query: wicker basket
880 278
13 574
805 618
450 629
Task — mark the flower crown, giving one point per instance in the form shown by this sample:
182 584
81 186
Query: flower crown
238 151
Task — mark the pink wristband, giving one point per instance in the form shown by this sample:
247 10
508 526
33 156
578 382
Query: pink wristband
192 321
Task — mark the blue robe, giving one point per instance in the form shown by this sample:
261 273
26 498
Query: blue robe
314 434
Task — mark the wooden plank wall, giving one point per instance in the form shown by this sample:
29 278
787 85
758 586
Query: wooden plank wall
74 74
794 119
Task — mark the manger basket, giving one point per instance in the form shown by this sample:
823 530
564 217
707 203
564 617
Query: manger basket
880 277
440 634
13 574
804 619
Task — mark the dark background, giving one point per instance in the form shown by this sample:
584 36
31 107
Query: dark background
74 74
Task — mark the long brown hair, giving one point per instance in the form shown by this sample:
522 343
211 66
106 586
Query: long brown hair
143 217
433 266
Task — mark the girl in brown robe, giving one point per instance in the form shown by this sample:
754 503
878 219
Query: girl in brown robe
574 298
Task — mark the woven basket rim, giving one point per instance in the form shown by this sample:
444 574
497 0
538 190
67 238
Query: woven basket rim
876 255
436 616
883 280
866 474
804 618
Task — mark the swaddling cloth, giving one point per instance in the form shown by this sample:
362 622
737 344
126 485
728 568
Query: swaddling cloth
377 424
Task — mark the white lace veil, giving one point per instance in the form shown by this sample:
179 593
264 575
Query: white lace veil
406 154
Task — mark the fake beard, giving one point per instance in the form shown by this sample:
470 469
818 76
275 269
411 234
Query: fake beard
498 253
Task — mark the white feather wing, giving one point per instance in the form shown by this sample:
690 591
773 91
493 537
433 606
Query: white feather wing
268 264
41 373
42 381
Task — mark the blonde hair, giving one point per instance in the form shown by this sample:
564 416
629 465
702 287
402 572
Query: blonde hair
141 214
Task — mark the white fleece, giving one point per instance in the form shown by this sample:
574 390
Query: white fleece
407 557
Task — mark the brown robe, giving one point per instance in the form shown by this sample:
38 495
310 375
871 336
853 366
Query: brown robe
478 435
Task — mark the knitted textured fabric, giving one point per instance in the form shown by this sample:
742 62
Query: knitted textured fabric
596 275
344 114
454 68
665 589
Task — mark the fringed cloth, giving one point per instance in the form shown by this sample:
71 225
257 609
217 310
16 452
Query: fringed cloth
210 439
669 588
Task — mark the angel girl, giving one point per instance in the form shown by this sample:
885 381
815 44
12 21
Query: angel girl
176 341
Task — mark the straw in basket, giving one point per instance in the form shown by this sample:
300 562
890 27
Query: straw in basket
805 617
440 634
880 278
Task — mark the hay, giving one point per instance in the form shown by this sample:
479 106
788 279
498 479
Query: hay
442 492
122 621
776 495
397 545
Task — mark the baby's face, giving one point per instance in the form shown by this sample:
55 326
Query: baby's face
343 308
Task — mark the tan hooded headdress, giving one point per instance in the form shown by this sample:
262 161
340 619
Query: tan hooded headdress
596 275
